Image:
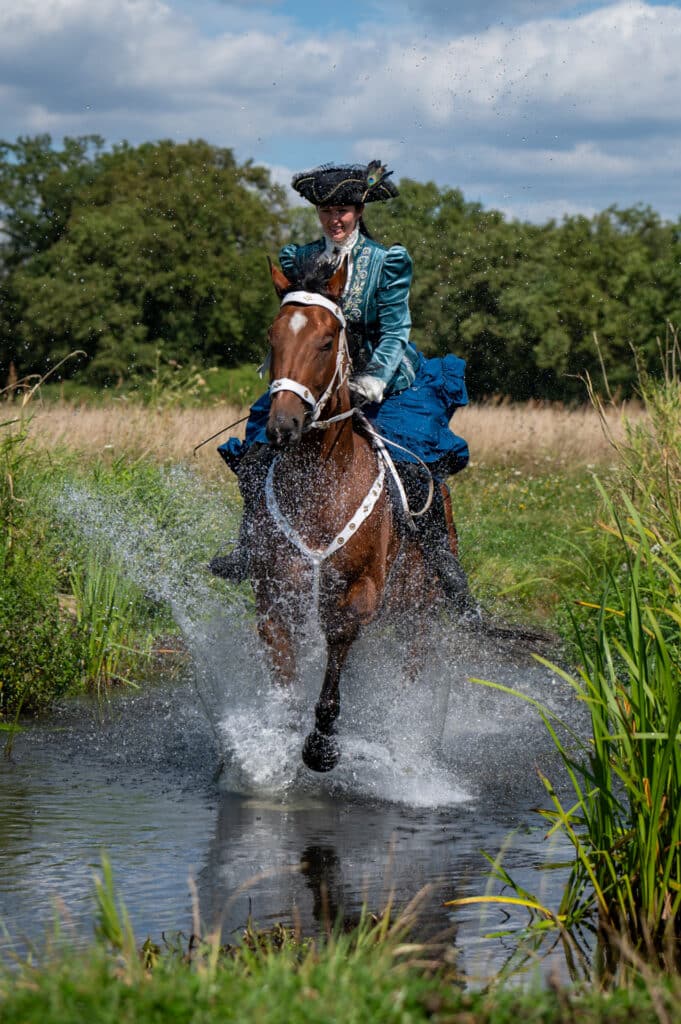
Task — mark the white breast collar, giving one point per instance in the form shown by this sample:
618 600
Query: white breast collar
319 555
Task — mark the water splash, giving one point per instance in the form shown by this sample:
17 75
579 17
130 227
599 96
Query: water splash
407 743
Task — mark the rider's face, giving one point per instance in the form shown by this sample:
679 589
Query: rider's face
338 222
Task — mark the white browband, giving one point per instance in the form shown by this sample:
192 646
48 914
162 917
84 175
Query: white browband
311 299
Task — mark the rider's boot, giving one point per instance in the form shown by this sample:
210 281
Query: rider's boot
433 534
437 537
251 474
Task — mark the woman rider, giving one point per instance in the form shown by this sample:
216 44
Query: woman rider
407 398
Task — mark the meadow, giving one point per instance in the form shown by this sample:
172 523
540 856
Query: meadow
570 519
523 436
524 506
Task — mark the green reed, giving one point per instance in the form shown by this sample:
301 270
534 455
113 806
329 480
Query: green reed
108 615
626 781
621 811
374 973
38 649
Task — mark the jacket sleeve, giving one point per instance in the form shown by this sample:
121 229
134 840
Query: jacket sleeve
394 319
288 261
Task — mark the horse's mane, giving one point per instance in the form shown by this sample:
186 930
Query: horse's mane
314 277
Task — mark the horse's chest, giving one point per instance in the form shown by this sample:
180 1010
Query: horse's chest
325 516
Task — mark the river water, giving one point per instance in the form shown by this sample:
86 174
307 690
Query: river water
432 774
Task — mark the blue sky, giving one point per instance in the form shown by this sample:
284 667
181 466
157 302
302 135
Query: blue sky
536 108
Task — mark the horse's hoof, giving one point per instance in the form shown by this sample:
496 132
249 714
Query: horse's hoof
321 753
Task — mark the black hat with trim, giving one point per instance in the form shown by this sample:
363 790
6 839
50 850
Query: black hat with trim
347 184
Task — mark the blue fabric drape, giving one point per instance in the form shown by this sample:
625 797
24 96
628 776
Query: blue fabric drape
416 418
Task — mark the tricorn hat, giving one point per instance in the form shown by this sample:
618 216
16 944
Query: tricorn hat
351 184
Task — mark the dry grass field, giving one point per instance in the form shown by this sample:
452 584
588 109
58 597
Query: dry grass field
504 434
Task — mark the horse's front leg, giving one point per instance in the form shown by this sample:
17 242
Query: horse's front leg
321 751
278 639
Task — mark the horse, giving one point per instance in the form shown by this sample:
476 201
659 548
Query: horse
327 531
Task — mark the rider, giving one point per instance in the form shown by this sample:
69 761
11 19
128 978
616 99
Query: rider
407 398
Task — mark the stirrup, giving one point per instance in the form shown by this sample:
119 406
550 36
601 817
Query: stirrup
232 567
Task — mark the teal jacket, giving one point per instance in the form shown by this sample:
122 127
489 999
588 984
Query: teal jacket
376 307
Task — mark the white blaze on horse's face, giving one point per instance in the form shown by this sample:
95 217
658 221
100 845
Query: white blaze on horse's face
297 322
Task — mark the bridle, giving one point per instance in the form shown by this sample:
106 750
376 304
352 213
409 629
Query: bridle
317 556
340 373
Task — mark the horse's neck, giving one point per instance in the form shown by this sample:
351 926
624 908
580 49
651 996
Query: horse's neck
330 453
324 477
325 461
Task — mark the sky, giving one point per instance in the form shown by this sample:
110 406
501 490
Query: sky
538 109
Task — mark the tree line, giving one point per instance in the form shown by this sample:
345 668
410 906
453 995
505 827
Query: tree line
129 251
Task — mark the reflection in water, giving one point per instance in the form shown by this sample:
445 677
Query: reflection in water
322 871
431 776
316 863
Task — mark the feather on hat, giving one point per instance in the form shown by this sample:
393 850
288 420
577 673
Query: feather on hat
341 184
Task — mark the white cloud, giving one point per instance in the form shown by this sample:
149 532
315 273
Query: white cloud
567 99
543 210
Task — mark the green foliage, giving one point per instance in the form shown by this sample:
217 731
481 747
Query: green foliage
112 921
163 248
108 613
38 187
39 651
240 385
70 618
371 975
160 248
621 812
519 533
522 302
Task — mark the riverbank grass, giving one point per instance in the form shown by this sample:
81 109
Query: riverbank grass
621 809
96 532
372 974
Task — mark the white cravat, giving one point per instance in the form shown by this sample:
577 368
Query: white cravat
337 250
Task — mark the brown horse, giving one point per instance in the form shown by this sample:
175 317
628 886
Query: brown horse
327 533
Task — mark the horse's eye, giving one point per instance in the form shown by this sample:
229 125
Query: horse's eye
327 346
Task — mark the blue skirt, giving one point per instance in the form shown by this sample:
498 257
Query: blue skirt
416 419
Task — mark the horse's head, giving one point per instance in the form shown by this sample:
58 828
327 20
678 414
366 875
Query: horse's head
309 357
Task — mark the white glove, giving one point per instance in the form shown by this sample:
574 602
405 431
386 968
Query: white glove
370 388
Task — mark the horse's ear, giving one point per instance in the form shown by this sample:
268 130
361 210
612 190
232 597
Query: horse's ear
336 282
279 279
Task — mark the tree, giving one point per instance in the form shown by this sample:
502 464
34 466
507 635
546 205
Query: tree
38 185
161 248
164 248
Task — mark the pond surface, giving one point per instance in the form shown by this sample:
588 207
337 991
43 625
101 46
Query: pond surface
432 774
